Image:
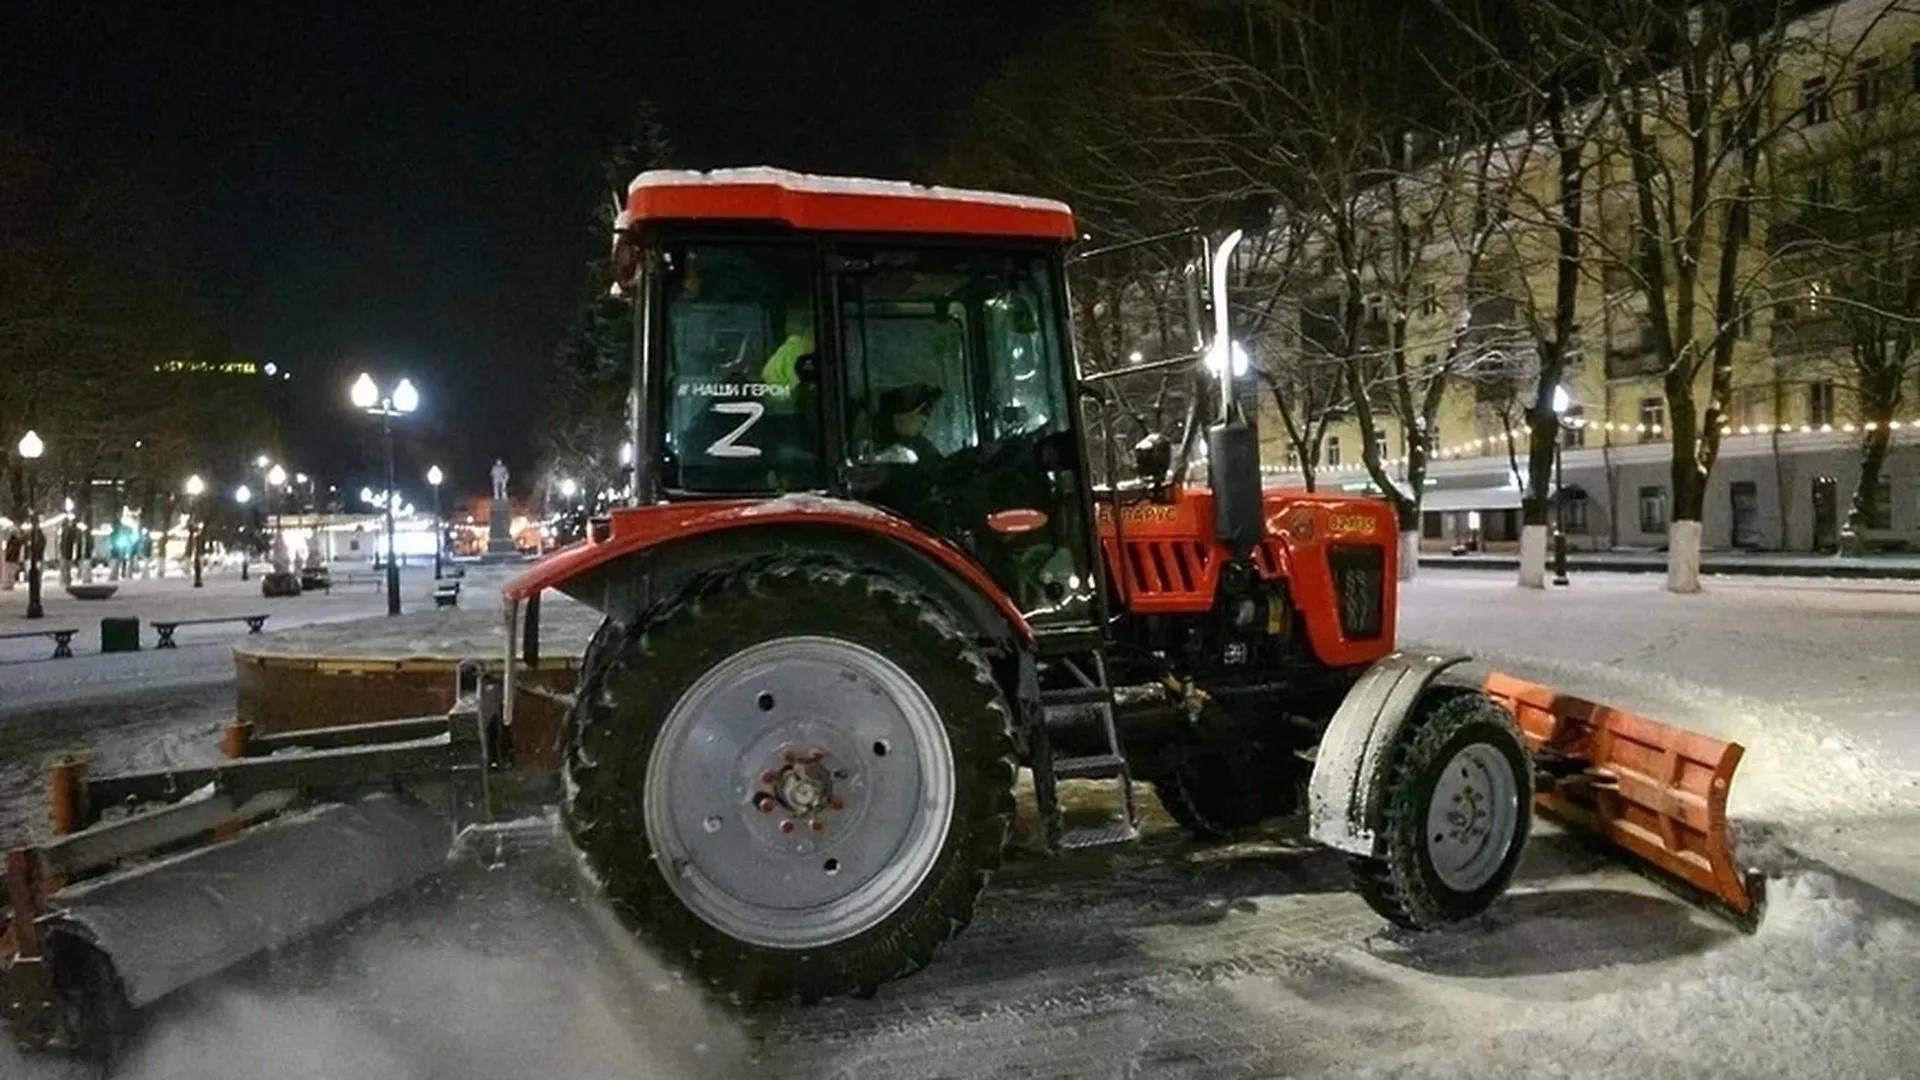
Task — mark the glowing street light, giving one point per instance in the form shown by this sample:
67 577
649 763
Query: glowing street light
1562 401
30 450
434 476
195 488
277 476
243 496
366 396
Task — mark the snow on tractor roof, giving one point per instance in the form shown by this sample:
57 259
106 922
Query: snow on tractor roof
841 204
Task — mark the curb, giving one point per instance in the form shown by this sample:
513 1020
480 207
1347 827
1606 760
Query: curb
1849 571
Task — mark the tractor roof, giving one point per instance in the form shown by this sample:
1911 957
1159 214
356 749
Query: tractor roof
841 204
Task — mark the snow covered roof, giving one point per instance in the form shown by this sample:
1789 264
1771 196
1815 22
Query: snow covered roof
841 204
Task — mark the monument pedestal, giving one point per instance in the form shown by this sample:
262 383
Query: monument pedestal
500 532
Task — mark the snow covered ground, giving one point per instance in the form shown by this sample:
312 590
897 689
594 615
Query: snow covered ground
1168 960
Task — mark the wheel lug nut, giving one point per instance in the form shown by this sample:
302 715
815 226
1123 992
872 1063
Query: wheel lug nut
836 803
769 777
786 826
819 755
763 802
819 826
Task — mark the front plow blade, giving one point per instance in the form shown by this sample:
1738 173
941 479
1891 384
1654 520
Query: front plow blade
1652 790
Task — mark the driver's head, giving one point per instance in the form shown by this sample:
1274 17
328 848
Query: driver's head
906 407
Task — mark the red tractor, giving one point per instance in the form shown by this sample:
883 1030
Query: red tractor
867 574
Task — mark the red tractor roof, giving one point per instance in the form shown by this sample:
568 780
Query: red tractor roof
841 204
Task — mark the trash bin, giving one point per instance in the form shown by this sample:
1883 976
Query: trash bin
121 634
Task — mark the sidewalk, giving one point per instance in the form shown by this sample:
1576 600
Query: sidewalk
30 678
1734 563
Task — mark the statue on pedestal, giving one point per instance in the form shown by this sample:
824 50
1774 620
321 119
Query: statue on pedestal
499 516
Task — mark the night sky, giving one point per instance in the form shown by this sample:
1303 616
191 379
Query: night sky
404 187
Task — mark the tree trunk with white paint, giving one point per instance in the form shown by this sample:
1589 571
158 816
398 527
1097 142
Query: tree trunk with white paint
1683 557
1409 554
1533 557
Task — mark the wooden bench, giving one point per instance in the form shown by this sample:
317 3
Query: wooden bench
165 629
446 594
62 640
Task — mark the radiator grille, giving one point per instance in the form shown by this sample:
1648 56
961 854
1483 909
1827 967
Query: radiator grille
1359 584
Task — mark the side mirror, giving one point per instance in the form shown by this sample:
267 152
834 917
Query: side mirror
623 263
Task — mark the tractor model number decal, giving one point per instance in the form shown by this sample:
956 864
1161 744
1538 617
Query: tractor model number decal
1148 512
1352 525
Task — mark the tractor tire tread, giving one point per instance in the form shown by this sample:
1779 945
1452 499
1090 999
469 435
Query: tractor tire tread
910 937
1398 885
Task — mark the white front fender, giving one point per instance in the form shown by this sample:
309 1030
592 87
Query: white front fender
1343 798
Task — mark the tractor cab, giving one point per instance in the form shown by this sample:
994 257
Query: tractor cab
902 348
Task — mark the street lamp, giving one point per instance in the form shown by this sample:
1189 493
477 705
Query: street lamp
276 485
434 476
243 496
195 486
30 450
1561 402
367 397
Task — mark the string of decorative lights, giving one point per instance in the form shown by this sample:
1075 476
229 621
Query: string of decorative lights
1491 445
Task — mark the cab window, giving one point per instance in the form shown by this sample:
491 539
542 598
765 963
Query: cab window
742 411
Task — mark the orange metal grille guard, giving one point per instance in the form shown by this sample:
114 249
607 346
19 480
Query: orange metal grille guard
1655 791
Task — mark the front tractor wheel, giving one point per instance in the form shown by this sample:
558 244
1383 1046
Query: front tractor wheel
1457 805
794 778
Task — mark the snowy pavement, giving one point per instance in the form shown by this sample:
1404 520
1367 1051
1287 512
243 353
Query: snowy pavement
30 679
1252 960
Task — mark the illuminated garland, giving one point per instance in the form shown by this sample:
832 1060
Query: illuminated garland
1487 445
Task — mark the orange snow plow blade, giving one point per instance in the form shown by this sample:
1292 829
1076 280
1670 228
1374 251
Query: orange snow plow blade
1656 791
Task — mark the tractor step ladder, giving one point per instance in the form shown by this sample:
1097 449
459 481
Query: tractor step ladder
1093 696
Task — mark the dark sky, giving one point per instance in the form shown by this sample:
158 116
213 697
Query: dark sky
402 187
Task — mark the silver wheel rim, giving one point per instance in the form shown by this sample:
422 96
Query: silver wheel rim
1471 819
800 792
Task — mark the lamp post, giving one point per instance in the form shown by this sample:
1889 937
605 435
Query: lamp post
195 486
30 450
434 476
276 485
1560 404
402 400
243 496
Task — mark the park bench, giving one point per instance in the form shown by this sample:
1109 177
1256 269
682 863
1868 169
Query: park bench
446 594
165 629
62 640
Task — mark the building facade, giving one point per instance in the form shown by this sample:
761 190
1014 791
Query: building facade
1812 381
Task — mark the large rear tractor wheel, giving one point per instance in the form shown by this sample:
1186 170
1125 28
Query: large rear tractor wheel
793 779
1458 804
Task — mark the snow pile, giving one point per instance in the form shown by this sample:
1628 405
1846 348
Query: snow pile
1798 767
507 982
1825 988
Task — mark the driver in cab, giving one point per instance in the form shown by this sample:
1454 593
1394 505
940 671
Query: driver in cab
902 438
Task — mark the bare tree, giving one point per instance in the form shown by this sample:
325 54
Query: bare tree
1533 44
1846 270
1689 91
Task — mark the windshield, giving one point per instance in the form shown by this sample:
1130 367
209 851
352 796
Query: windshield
742 407
948 351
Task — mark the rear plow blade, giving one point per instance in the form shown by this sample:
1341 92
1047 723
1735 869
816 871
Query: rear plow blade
1652 790
203 868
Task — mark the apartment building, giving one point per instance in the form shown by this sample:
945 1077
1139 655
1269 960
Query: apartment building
1824 355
